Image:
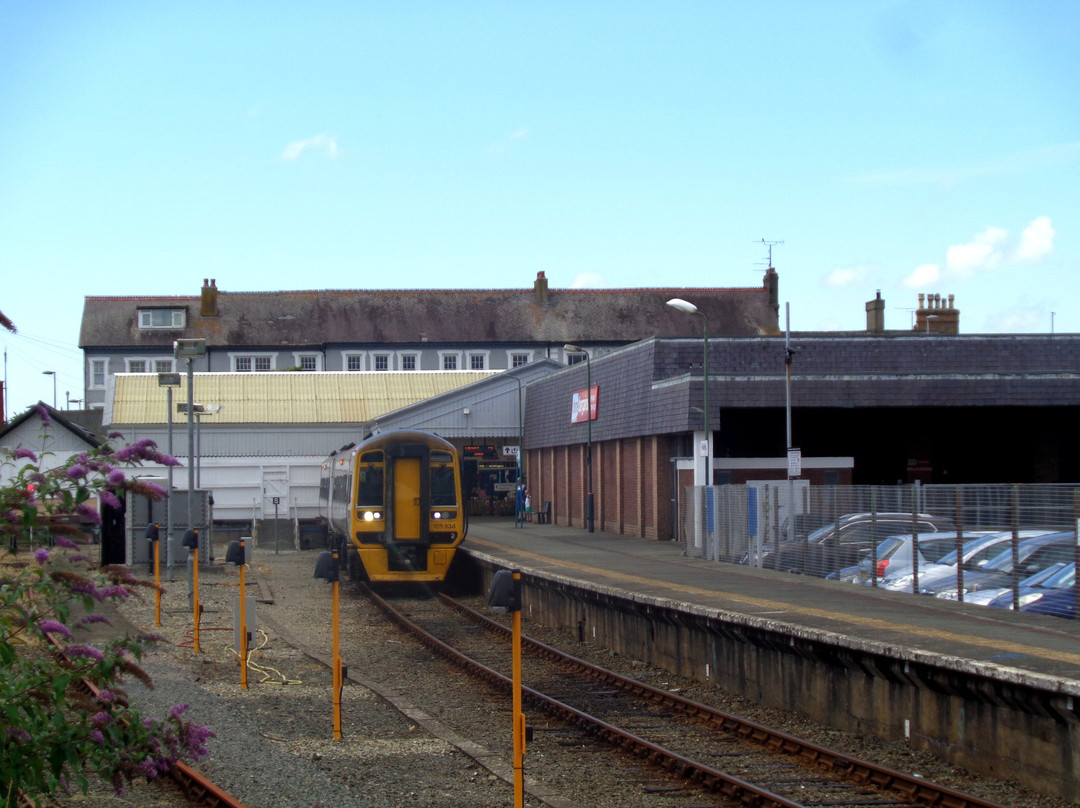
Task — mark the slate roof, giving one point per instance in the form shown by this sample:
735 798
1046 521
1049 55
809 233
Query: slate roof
654 387
386 316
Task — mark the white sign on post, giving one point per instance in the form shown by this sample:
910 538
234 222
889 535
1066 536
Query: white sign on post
794 462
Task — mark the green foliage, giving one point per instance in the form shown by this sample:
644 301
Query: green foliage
65 716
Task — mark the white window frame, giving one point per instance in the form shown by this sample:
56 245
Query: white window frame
416 362
361 357
177 320
131 360
510 358
164 364
254 357
483 356
299 356
445 355
376 356
91 361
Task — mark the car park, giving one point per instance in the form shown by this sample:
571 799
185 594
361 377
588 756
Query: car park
976 554
1034 554
895 555
843 543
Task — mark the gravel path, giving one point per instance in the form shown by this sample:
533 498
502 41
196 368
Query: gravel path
274 742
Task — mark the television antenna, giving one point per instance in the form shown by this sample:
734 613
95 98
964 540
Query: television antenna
769 245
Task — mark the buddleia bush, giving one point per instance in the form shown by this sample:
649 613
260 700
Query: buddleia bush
66 717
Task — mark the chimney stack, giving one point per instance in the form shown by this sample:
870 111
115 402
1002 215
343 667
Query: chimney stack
540 287
209 298
875 315
935 317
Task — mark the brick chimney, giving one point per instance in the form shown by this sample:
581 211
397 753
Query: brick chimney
875 315
209 298
540 287
935 316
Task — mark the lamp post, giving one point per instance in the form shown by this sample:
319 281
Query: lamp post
189 349
589 511
690 308
53 374
169 381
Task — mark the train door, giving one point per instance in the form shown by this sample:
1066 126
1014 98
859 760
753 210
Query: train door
407 510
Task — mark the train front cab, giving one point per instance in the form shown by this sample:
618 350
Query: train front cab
408 518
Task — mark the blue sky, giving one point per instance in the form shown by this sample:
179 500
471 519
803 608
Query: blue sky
902 146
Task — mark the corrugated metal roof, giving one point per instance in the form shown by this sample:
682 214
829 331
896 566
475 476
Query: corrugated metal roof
285 398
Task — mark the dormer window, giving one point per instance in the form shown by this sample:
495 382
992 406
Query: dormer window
162 318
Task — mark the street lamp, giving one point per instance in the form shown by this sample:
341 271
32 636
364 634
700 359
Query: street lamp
690 308
190 349
569 348
200 411
53 374
169 381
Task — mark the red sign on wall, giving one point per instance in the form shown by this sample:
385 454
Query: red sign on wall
581 407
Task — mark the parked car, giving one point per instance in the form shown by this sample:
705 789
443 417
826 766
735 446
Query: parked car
844 543
895 555
976 554
1059 602
1056 576
1035 555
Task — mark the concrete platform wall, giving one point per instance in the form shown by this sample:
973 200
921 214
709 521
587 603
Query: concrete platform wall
1003 729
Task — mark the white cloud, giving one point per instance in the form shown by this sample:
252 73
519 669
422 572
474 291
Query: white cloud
847 276
1037 240
327 143
986 250
923 275
588 280
1019 319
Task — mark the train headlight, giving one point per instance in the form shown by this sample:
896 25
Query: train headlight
444 514
371 516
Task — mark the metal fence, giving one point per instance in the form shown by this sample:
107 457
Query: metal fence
893 536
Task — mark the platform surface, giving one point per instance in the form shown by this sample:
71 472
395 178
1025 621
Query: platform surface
1036 650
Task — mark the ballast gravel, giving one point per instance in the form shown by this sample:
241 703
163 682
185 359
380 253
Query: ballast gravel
406 716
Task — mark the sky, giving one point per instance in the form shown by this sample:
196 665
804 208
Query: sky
897 146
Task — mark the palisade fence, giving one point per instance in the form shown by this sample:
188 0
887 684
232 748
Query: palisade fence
746 523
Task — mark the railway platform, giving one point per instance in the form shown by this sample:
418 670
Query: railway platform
993 690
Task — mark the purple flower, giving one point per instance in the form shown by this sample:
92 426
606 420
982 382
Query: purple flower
113 592
54 627
76 471
41 556
23 452
115 435
116 477
106 695
178 710
43 414
88 651
93 618
101 718
148 769
97 737
109 498
63 541
155 488
19 734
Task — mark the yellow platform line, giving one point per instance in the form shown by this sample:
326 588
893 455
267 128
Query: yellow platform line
866 622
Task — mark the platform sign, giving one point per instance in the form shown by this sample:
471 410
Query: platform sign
794 462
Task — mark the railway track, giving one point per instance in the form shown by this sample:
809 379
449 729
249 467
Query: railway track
744 762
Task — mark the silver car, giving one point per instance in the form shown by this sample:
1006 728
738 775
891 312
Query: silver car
976 553
895 555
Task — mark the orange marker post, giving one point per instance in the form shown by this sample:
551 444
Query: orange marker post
243 620
338 682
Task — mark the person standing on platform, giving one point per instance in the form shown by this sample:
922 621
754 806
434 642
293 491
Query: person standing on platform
519 504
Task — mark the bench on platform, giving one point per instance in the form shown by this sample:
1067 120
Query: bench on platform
543 516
